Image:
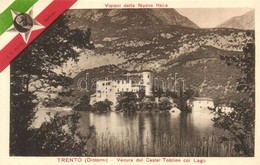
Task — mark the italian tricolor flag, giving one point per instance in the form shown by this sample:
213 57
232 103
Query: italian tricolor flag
21 21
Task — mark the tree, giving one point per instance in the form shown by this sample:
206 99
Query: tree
102 106
83 104
127 101
189 93
158 91
37 62
171 94
165 104
240 123
141 94
21 118
59 137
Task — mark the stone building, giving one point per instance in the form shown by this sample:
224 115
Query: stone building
110 88
200 103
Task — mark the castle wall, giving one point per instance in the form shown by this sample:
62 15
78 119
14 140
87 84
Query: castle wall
109 89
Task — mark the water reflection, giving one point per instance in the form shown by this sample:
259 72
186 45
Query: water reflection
146 126
145 133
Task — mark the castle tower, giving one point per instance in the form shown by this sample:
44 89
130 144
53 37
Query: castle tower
148 82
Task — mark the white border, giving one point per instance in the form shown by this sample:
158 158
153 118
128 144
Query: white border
5 82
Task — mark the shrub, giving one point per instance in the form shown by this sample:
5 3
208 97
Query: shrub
127 101
102 106
165 104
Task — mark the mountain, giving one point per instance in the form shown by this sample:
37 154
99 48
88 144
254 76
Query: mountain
148 39
130 17
172 17
245 21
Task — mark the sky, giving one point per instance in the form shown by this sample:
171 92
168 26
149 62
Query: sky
203 17
211 17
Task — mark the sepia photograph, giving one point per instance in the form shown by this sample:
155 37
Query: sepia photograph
138 82
23 23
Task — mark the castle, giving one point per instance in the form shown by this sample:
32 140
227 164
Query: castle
110 88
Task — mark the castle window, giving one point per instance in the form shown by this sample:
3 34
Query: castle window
118 81
148 76
126 89
108 83
103 84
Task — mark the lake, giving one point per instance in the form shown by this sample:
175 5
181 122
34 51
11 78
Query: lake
183 125
150 133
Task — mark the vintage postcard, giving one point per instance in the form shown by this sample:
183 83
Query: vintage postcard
109 82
